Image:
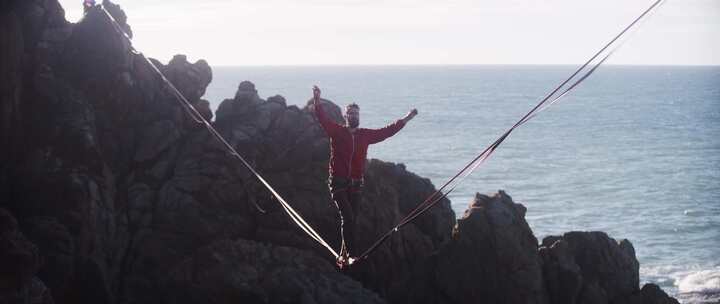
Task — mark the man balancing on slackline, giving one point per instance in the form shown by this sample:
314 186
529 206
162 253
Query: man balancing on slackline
348 149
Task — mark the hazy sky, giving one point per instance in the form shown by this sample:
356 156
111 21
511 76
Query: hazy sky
280 32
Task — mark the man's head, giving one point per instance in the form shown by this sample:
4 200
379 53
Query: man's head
352 115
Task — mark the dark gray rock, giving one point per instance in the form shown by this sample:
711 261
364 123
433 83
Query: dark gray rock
649 294
128 200
278 99
331 109
602 268
157 138
11 75
57 249
491 258
563 279
190 79
250 272
291 150
20 261
203 106
119 15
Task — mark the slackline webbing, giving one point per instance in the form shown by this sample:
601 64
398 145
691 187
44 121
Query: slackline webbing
546 102
438 195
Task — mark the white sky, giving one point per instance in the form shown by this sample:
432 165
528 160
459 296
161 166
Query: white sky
291 32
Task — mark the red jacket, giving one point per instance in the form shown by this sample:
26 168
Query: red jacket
349 150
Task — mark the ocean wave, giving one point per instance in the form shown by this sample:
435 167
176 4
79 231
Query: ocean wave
703 281
700 287
689 284
698 298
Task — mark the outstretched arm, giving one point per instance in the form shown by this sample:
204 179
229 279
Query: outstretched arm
328 125
410 115
378 135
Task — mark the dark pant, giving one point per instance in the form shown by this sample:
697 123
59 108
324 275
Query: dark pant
347 195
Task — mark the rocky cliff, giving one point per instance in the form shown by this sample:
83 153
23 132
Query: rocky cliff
111 193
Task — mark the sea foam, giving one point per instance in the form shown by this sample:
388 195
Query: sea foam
701 281
700 287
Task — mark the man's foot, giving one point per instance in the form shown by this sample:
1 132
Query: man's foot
341 262
344 261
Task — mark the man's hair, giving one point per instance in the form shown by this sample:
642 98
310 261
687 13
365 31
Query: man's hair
352 106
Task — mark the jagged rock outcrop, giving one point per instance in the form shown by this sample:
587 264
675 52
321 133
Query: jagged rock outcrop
648 294
492 258
288 146
589 267
121 197
118 187
245 271
191 79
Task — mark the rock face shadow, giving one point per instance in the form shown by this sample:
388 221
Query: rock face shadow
111 193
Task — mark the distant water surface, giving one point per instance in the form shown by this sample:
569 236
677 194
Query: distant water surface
633 151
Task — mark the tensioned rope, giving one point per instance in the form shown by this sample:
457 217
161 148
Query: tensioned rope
197 117
546 102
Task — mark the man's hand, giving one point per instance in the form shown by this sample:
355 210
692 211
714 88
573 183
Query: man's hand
410 115
316 93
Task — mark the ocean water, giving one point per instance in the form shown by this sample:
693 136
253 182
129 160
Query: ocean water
633 151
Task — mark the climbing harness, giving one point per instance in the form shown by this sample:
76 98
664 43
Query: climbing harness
546 102
198 118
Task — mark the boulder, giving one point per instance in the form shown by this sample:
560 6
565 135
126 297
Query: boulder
589 267
648 294
245 271
246 98
562 275
491 258
119 15
332 110
190 79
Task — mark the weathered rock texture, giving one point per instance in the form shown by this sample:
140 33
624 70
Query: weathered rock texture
110 192
19 261
589 267
290 149
492 256
249 272
121 193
